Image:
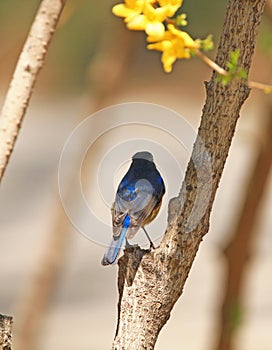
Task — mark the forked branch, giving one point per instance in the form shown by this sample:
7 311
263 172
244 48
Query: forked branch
151 283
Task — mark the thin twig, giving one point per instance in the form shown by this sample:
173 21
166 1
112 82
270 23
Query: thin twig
211 63
265 87
252 84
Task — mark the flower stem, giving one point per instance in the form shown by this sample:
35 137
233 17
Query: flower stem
252 84
265 87
210 63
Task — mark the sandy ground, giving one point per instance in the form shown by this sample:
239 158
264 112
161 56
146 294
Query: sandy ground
82 314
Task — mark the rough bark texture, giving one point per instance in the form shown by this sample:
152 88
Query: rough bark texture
238 250
29 64
151 283
5 332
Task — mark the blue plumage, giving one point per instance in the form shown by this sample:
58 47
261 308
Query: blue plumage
137 202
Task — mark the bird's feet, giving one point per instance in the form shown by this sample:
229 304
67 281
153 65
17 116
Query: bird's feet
151 246
149 239
128 245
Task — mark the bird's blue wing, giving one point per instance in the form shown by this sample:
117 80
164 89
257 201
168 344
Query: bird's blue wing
137 201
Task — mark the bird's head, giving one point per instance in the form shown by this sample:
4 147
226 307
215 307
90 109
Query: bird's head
143 155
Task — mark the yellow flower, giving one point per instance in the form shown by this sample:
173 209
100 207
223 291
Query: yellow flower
129 9
150 21
175 44
173 5
142 15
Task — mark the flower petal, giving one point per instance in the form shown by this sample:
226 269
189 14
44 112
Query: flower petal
155 30
160 46
171 5
137 22
168 59
188 41
121 10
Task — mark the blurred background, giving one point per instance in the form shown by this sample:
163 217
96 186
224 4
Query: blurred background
51 279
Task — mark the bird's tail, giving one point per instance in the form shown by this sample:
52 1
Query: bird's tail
112 252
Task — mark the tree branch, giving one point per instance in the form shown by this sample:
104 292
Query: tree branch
29 64
5 332
151 283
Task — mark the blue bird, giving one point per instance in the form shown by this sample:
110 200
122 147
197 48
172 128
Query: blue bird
137 203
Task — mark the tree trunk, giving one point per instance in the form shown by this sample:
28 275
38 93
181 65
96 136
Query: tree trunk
150 283
5 332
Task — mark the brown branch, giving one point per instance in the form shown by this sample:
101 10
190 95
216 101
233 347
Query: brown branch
156 279
238 250
5 332
29 64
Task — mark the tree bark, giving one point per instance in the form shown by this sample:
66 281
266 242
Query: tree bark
150 283
29 64
5 332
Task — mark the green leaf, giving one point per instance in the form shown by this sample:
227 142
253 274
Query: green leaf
233 71
234 57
